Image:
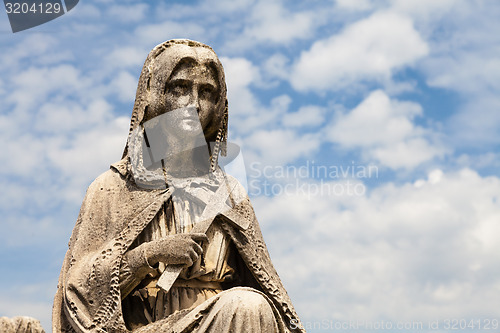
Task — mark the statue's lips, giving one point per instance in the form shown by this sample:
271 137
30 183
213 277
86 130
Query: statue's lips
190 118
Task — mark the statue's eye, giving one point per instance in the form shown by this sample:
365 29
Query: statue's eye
207 92
178 88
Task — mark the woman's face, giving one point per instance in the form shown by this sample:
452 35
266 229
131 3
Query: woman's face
194 85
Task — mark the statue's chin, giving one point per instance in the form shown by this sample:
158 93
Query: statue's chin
190 126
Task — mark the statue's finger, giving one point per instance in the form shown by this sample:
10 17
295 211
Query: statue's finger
199 237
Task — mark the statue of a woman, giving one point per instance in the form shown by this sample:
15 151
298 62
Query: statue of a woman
144 216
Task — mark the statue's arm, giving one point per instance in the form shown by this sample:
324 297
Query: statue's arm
253 250
137 263
90 278
134 268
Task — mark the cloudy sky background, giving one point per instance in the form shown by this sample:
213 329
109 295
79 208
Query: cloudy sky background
410 89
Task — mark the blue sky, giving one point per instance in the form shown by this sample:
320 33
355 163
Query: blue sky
410 88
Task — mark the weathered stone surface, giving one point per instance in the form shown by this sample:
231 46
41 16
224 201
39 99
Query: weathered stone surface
143 216
20 325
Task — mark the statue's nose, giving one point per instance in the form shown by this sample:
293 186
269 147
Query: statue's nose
195 99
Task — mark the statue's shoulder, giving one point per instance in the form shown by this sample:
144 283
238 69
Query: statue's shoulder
110 179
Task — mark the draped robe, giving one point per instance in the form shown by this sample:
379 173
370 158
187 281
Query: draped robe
95 281
113 214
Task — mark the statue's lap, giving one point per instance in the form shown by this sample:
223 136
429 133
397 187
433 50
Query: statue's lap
239 309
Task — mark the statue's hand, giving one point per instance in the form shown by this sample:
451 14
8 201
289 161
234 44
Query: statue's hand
183 249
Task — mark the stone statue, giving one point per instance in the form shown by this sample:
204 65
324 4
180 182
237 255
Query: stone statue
165 240
20 324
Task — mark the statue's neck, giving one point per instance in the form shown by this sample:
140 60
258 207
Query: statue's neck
189 163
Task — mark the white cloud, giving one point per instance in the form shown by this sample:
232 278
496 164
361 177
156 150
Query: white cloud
69 145
354 4
384 130
240 72
479 161
33 84
406 154
370 49
306 116
70 118
40 44
124 85
129 57
279 147
57 122
153 34
272 22
277 66
465 72
243 104
423 9
269 133
465 61
257 125
210 10
227 6
21 155
376 120
477 123
426 250
86 11
128 13
269 24
89 154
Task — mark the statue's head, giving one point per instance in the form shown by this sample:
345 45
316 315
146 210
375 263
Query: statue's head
183 73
